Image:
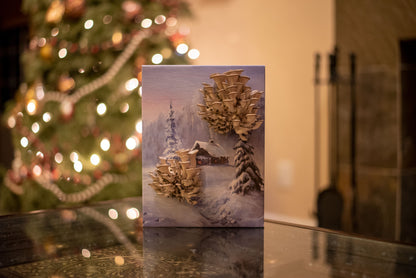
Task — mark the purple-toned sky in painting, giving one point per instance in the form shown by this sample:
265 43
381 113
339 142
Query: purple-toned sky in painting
180 84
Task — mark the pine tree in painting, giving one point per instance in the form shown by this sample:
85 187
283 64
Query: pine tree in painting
173 143
231 106
248 175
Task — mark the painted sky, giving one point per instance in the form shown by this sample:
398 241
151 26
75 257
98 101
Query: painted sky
161 84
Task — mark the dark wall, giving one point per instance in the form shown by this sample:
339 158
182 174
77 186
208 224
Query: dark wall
374 31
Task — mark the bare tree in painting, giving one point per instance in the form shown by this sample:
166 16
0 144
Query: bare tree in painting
231 106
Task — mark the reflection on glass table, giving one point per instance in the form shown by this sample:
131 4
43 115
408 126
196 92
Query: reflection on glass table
108 240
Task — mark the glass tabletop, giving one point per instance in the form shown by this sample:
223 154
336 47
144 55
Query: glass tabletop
108 240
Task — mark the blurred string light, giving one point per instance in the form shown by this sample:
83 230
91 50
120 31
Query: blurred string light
157 59
88 24
132 143
131 84
139 126
193 54
42 42
62 53
74 157
55 32
86 253
31 107
35 127
105 144
40 93
146 23
101 109
132 213
40 155
160 19
117 38
140 91
37 170
124 108
59 158
78 166
95 159
11 122
24 142
46 117
182 48
113 214
171 21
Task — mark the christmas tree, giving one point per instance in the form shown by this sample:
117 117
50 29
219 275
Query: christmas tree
76 117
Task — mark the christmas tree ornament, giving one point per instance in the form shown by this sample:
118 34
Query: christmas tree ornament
46 52
67 110
74 9
55 12
131 9
66 83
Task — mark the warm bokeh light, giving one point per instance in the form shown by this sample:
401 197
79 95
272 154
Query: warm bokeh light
86 253
59 158
132 213
37 170
157 59
131 84
35 127
113 214
78 166
11 122
46 117
160 19
124 108
24 142
31 107
40 92
105 144
146 23
101 109
182 48
88 24
74 156
171 21
193 54
139 126
62 53
95 159
132 143
117 38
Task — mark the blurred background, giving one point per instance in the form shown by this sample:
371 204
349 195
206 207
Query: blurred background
340 134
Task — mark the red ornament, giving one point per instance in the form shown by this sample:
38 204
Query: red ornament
74 8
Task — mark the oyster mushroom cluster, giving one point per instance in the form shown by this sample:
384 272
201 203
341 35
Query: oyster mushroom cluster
179 179
230 104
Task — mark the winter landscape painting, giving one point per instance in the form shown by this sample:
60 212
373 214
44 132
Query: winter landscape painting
203 146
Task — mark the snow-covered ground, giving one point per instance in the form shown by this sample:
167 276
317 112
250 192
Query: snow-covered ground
217 208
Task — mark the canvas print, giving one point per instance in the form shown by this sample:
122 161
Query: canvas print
203 146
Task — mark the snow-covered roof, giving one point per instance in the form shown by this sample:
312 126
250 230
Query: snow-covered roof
212 148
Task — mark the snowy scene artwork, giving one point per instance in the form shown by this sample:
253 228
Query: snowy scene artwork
203 146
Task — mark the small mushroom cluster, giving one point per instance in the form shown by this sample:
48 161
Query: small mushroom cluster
230 104
179 179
